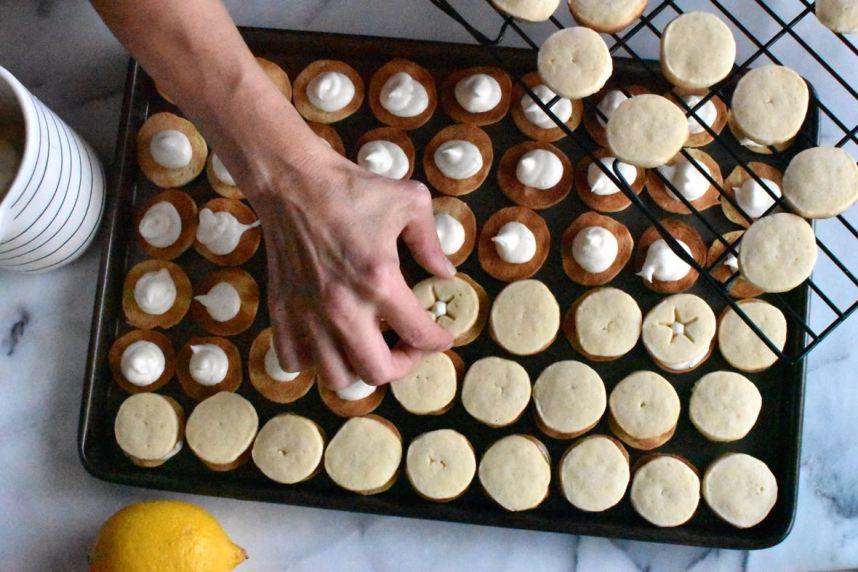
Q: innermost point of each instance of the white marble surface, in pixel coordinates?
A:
(50, 508)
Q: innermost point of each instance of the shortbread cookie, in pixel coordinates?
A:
(596, 188)
(440, 465)
(606, 16)
(530, 118)
(665, 490)
(457, 159)
(355, 400)
(594, 473)
(595, 248)
(458, 304)
(535, 174)
(769, 104)
(525, 317)
(569, 399)
(402, 94)
(155, 294)
(778, 252)
(430, 387)
(456, 227)
(661, 269)
(527, 10)
(603, 324)
(149, 429)
(479, 95)
(724, 406)
(574, 62)
(513, 244)
(713, 113)
(327, 91)
(729, 265)
(221, 179)
(840, 16)
(740, 488)
(277, 76)
(226, 302)
(601, 106)
(496, 391)
(329, 135)
(679, 333)
(697, 51)
(751, 199)
(206, 366)
(221, 429)
(738, 343)
(268, 376)
(516, 471)
(643, 410)
(364, 455)
(387, 152)
(170, 150)
(288, 448)
(167, 224)
(821, 182)
(647, 130)
(690, 177)
(228, 233)
(142, 361)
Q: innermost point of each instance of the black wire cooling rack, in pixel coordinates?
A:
(839, 281)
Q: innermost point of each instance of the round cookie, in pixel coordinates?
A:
(738, 177)
(839, 16)
(679, 333)
(665, 490)
(525, 317)
(603, 324)
(516, 471)
(243, 284)
(574, 62)
(682, 232)
(698, 136)
(821, 182)
(569, 399)
(601, 106)
(430, 387)
(769, 104)
(528, 196)
(724, 406)
(288, 448)
(643, 410)
(594, 473)
(647, 130)
(527, 10)
(287, 387)
(738, 343)
(606, 16)
(277, 76)
(700, 163)
(611, 202)
(450, 92)
(487, 248)
(778, 252)
(148, 428)
(697, 51)
(470, 134)
(392, 135)
(550, 131)
(417, 74)
(232, 377)
(226, 187)
(364, 455)
(185, 207)
(163, 176)
(312, 113)
(248, 242)
(729, 265)
(440, 465)
(496, 391)
(139, 318)
(329, 135)
(457, 304)
(741, 489)
(465, 216)
(363, 405)
(117, 353)
(594, 246)
(221, 429)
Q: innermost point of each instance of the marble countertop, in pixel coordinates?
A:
(51, 508)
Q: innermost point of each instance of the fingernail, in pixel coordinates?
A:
(451, 269)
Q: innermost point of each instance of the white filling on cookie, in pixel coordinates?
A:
(458, 159)
(663, 264)
(688, 178)
(753, 199)
(404, 96)
(220, 231)
(601, 184)
(478, 93)
(383, 158)
(155, 292)
(689, 363)
(142, 363)
(562, 108)
(356, 391)
(273, 368)
(221, 172)
(171, 149)
(222, 301)
(595, 249)
(161, 225)
(515, 243)
(208, 365)
(707, 112)
(539, 169)
(451, 233)
(608, 104)
(330, 91)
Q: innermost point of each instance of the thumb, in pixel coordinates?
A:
(420, 236)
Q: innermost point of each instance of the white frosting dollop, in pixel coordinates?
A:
(209, 364)
(458, 159)
(451, 233)
(273, 369)
(403, 96)
(515, 243)
(161, 224)
(539, 169)
(562, 109)
(478, 93)
(663, 264)
(687, 177)
(707, 112)
(438, 309)
(601, 184)
(754, 199)
(9, 161)
(221, 172)
(356, 391)
(222, 302)
(142, 363)
(330, 91)
(220, 231)
(155, 292)
(730, 261)
(383, 158)
(608, 104)
(595, 249)
(171, 149)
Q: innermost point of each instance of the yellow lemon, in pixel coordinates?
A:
(168, 536)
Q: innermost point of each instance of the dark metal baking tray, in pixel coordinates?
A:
(775, 439)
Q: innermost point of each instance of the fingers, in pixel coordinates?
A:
(331, 363)
(407, 317)
(289, 335)
(420, 236)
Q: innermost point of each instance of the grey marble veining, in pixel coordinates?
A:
(51, 508)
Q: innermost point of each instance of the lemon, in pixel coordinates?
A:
(163, 535)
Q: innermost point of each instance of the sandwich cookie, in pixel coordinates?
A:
(226, 302)
(221, 429)
(329, 135)
(646, 130)
(753, 199)
(661, 269)
(456, 227)
(167, 224)
(479, 95)
(355, 400)
(170, 150)
(606, 16)
(277, 75)
(430, 387)
(440, 465)
(387, 152)
(594, 473)
(514, 243)
(496, 391)
(665, 490)
(268, 376)
(288, 449)
(228, 232)
(525, 318)
(569, 399)
(457, 159)
(712, 113)
(738, 343)
(221, 179)
(689, 177)
(821, 182)
(206, 366)
(769, 104)
(527, 10)
(643, 410)
(327, 91)
(149, 429)
(724, 406)
(778, 252)
(364, 455)
(752, 145)
(515, 472)
(603, 324)
(535, 175)
(595, 248)
(679, 333)
(574, 62)
(729, 265)
(697, 51)
(458, 304)
(155, 294)
(532, 120)
(602, 106)
(596, 188)
(741, 489)
(402, 94)
(141, 361)
(839, 16)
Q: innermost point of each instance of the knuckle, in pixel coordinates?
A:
(379, 279)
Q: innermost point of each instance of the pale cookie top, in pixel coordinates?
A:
(221, 428)
(839, 15)
(147, 426)
(594, 474)
(440, 464)
(724, 406)
(647, 130)
(665, 491)
(680, 328)
(569, 396)
(288, 448)
(528, 10)
(608, 322)
(821, 182)
(697, 50)
(364, 455)
(495, 391)
(738, 343)
(515, 471)
(606, 15)
(429, 386)
(778, 252)
(769, 104)
(452, 302)
(644, 405)
(525, 317)
(740, 489)
(574, 62)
